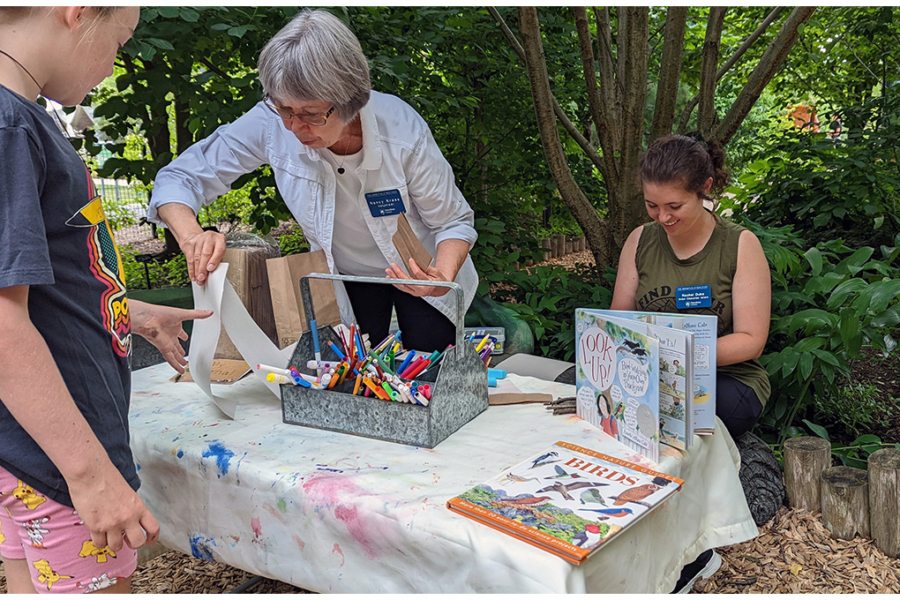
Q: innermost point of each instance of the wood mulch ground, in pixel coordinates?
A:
(794, 553)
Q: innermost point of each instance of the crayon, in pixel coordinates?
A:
(351, 353)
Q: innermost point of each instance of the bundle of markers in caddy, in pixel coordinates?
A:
(376, 371)
(484, 348)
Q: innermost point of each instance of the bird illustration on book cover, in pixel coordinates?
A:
(581, 498)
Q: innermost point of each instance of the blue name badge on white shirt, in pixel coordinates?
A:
(693, 296)
(386, 203)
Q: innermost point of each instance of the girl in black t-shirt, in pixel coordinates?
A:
(65, 321)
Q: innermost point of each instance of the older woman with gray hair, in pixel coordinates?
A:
(347, 161)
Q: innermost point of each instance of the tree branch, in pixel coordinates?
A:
(567, 124)
(205, 62)
(598, 114)
(706, 115)
(669, 71)
(583, 211)
(751, 39)
(768, 65)
(608, 83)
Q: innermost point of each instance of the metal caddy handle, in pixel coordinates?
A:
(454, 288)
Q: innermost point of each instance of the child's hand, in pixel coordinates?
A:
(161, 326)
(111, 510)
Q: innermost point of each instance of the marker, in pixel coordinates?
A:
(421, 399)
(337, 351)
(425, 389)
(482, 342)
(268, 369)
(319, 364)
(357, 384)
(418, 369)
(409, 356)
(279, 378)
(380, 362)
(387, 388)
(411, 366)
(315, 339)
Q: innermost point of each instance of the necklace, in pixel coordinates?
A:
(340, 168)
(21, 66)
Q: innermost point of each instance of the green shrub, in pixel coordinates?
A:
(827, 302)
(853, 407)
(828, 189)
(546, 299)
(169, 273)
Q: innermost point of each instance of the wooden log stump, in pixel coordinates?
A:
(804, 460)
(884, 500)
(845, 502)
(560, 245)
(545, 243)
(554, 246)
(569, 247)
(582, 244)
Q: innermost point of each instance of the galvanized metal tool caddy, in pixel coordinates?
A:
(459, 386)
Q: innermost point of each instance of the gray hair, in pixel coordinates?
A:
(316, 57)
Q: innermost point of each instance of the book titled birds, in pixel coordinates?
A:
(567, 500)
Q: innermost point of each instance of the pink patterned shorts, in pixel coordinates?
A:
(53, 540)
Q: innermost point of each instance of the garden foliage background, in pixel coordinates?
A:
(826, 207)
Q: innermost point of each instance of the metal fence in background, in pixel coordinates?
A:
(126, 209)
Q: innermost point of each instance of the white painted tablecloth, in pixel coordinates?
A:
(332, 512)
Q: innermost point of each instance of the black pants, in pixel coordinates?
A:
(422, 327)
(736, 404)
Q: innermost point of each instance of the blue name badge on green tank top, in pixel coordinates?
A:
(693, 296)
(386, 203)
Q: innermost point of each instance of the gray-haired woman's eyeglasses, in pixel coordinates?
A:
(287, 115)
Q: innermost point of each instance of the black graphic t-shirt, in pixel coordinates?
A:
(54, 237)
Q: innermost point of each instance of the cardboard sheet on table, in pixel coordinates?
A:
(225, 371)
(254, 345)
(409, 246)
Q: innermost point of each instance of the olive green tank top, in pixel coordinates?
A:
(660, 273)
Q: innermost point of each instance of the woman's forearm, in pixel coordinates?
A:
(180, 219)
(451, 254)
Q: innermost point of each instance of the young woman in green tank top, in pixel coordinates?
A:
(688, 245)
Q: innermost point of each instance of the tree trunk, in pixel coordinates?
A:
(709, 65)
(583, 211)
(669, 72)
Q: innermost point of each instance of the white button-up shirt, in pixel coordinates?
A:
(399, 153)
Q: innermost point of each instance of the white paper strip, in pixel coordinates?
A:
(255, 346)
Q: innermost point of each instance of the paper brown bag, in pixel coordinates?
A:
(409, 246)
(287, 303)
